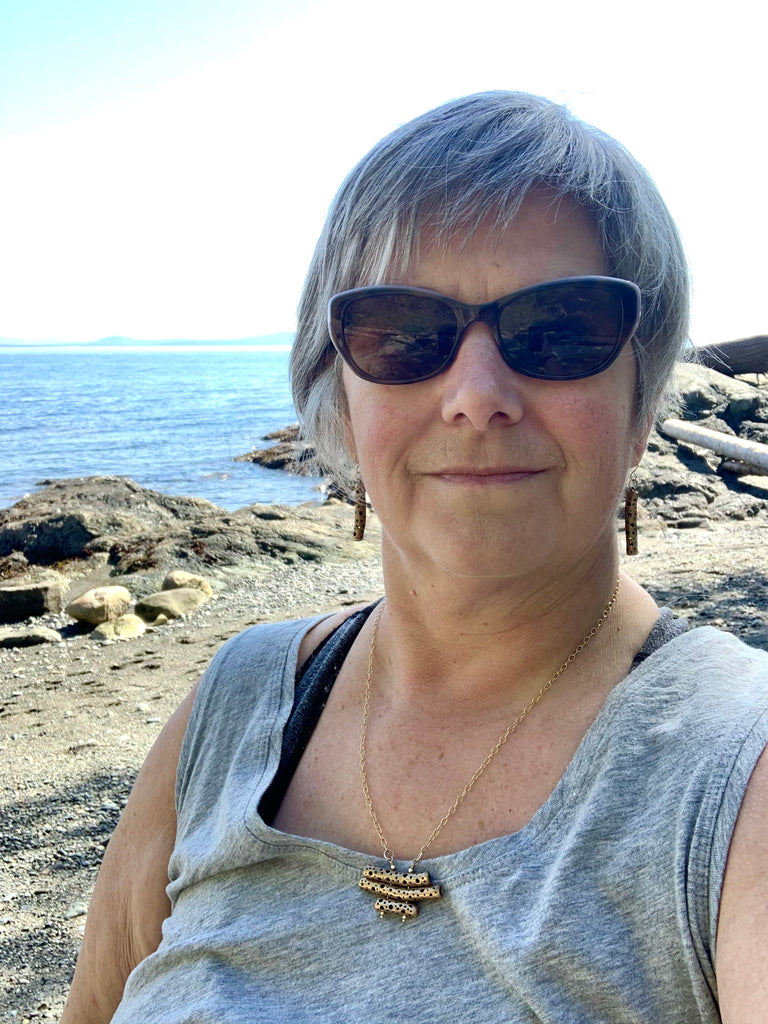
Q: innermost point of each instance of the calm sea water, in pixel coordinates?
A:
(172, 419)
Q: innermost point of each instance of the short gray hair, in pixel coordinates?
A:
(470, 161)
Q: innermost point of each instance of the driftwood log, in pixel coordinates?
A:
(752, 453)
(736, 468)
(749, 355)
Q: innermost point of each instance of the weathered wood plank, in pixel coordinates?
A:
(748, 355)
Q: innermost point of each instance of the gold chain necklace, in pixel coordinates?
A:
(399, 892)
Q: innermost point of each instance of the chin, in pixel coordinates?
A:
(491, 551)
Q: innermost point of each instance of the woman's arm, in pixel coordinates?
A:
(742, 933)
(129, 902)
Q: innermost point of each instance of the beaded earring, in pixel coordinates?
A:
(360, 509)
(630, 515)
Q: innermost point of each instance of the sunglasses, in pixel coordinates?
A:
(560, 330)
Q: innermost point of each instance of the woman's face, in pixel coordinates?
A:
(482, 471)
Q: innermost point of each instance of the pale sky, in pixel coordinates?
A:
(166, 165)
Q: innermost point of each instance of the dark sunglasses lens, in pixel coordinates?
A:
(562, 333)
(396, 338)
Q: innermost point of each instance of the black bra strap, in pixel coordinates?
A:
(314, 682)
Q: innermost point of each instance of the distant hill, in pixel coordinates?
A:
(118, 341)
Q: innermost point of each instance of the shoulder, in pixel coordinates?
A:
(253, 664)
(701, 700)
(692, 721)
(250, 663)
(704, 663)
(246, 694)
(706, 643)
(742, 932)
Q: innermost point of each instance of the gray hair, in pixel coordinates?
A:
(473, 161)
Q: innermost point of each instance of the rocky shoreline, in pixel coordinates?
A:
(78, 714)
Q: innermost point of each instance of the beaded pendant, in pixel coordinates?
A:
(399, 892)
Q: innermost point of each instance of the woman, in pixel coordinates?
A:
(551, 792)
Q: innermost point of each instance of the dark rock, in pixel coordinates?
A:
(145, 531)
(717, 423)
(679, 481)
(55, 538)
(755, 432)
(28, 637)
(13, 565)
(138, 530)
(704, 392)
(690, 522)
(290, 433)
(72, 519)
(27, 600)
(288, 454)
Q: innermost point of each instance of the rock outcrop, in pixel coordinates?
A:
(128, 529)
(683, 485)
(287, 453)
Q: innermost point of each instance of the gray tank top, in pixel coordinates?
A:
(602, 908)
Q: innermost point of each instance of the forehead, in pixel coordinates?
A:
(548, 239)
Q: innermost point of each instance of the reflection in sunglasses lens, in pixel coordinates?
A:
(561, 333)
(558, 333)
(399, 337)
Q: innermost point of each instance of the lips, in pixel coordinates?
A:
(486, 476)
(486, 470)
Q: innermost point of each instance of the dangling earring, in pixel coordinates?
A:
(630, 514)
(359, 531)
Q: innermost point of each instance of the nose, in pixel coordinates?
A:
(478, 386)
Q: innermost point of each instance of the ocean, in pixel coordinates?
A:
(170, 418)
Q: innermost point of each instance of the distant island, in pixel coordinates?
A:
(118, 341)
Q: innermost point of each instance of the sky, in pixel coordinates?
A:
(166, 165)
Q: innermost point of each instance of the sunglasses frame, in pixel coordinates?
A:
(488, 313)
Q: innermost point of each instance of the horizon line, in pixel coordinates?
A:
(114, 340)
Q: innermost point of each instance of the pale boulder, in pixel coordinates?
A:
(100, 605)
(179, 579)
(123, 628)
(170, 603)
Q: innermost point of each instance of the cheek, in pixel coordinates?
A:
(371, 423)
(610, 408)
(349, 438)
(598, 432)
(376, 438)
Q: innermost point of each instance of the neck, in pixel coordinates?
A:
(471, 638)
